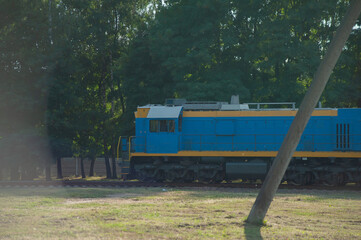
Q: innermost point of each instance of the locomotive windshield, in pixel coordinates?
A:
(161, 125)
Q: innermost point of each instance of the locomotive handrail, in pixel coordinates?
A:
(124, 163)
(118, 147)
(273, 103)
(130, 143)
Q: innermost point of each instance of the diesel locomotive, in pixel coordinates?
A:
(183, 141)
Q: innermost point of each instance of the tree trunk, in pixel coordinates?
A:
(107, 167)
(14, 172)
(27, 171)
(59, 169)
(279, 166)
(24, 172)
(47, 168)
(82, 167)
(91, 170)
(103, 99)
(106, 159)
(50, 19)
(122, 101)
(48, 172)
(114, 165)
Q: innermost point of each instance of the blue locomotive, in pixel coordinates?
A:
(215, 141)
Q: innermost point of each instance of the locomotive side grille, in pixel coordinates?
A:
(342, 136)
(336, 135)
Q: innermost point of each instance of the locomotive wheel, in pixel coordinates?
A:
(307, 178)
(170, 177)
(299, 180)
(160, 176)
(189, 177)
(173, 176)
(218, 178)
(334, 179)
(143, 177)
(205, 180)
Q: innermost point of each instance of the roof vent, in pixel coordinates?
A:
(235, 99)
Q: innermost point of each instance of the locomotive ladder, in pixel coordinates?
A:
(124, 148)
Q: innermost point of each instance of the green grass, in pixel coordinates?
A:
(156, 213)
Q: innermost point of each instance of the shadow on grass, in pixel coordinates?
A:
(304, 195)
(252, 231)
(78, 192)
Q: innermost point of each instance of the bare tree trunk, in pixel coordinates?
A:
(50, 30)
(107, 166)
(114, 167)
(27, 171)
(91, 170)
(14, 172)
(47, 168)
(47, 172)
(82, 167)
(59, 169)
(299, 123)
(114, 164)
(102, 92)
(122, 102)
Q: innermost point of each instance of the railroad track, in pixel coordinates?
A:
(127, 184)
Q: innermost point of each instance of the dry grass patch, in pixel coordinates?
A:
(156, 213)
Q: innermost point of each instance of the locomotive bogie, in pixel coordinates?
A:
(328, 171)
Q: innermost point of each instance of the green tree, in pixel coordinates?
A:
(261, 50)
(344, 85)
(24, 47)
(98, 32)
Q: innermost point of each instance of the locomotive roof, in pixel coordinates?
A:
(171, 111)
(156, 111)
(174, 107)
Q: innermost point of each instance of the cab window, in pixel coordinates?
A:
(153, 126)
(161, 125)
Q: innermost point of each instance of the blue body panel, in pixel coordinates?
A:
(323, 133)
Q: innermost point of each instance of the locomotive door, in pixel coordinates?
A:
(162, 137)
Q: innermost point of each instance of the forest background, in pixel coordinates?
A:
(72, 72)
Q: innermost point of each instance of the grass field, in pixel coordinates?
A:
(156, 213)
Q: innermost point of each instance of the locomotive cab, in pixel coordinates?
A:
(158, 129)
